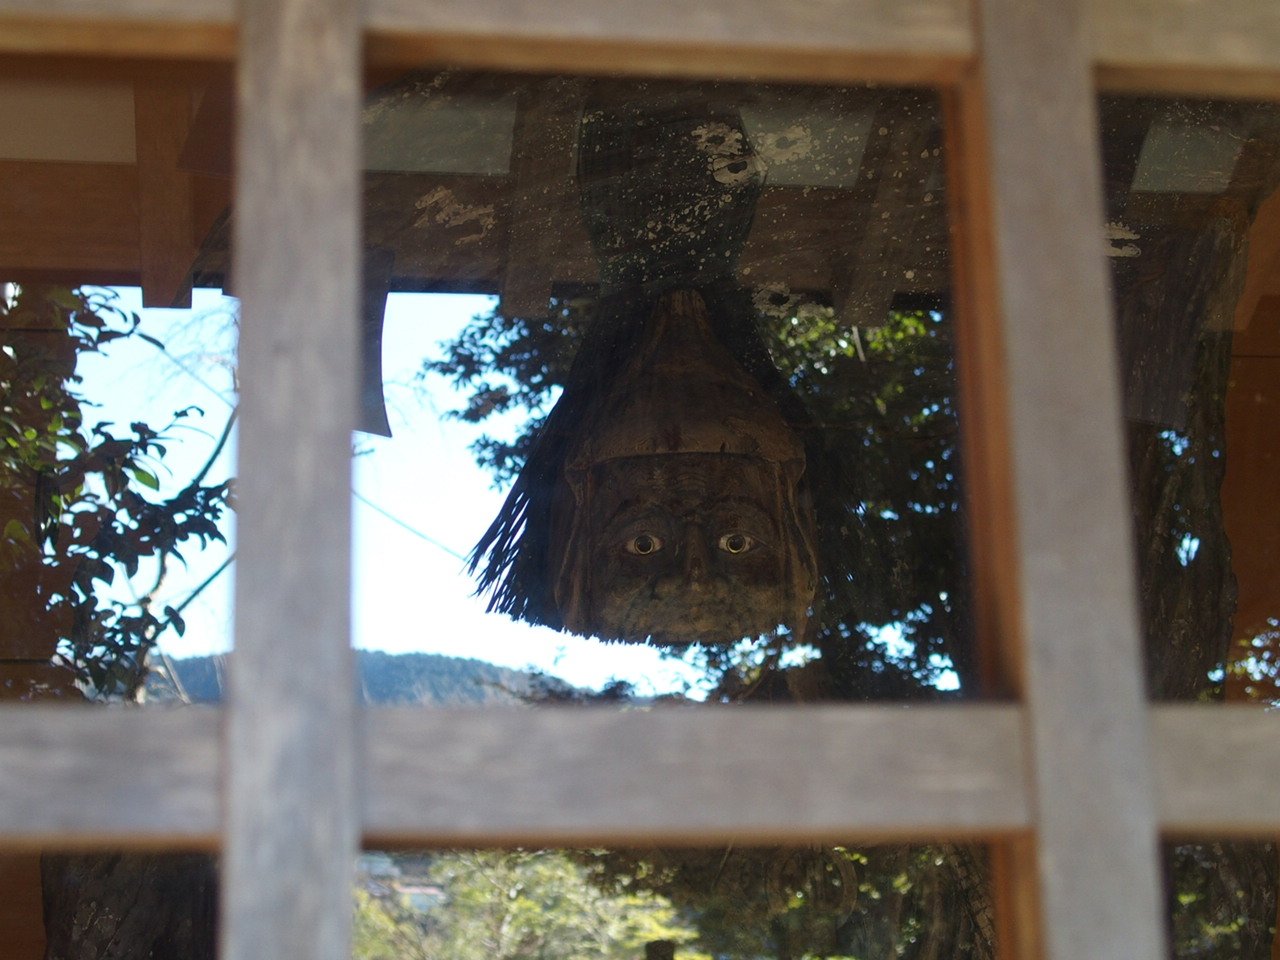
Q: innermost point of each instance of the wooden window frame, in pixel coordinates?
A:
(1071, 780)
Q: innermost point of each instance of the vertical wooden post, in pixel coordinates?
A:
(291, 810)
(1086, 884)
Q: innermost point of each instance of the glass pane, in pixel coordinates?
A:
(1193, 238)
(1193, 233)
(866, 902)
(666, 373)
(118, 371)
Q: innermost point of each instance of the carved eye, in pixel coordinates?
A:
(737, 542)
(644, 544)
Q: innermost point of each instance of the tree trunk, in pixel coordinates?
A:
(130, 906)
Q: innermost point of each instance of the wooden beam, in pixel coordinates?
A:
(1187, 46)
(291, 780)
(68, 216)
(78, 776)
(1218, 770)
(544, 225)
(919, 41)
(166, 233)
(1093, 863)
(868, 272)
(201, 29)
(693, 776)
(1264, 256)
(1184, 46)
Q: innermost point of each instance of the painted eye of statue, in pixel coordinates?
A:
(737, 542)
(644, 544)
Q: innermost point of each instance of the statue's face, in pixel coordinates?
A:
(684, 522)
(685, 547)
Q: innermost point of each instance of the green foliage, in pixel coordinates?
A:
(96, 511)
(512, 364)
(811, 902)
(512, 905)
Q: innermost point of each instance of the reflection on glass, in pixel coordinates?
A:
(1193, 237)
(116, 418)
(1222, 899)
(717, 376)
(114, 475)
(910, 902)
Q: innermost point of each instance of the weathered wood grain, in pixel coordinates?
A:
(1094, 861)
(86, 776)
(82, 776)
(700, 775)
(120, 28)
(1218, 769)
(1188, 46)
(292, 827)
(914, 41)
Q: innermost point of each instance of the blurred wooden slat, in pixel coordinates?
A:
(1218, 769)
(290, 774)
(170, 29)
(904, 41)
(700, 775)
(80, 776)
(1093, 862)
(1188, 46)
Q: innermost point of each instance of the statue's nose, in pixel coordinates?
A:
(697, 555)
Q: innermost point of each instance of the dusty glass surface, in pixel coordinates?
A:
(1193, 233)
(1192, 245)
(117, 378)
(712, 382)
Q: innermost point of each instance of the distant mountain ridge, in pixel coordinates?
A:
(385, 678)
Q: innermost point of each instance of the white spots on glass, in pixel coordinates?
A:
(440, 207)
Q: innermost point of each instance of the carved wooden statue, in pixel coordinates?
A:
(665, 498)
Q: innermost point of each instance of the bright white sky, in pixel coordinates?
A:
(411, 593)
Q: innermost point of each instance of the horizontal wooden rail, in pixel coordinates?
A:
(1186, 46)
(74, 776)
(695, 775)
(106, 777)
(1218, 769)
